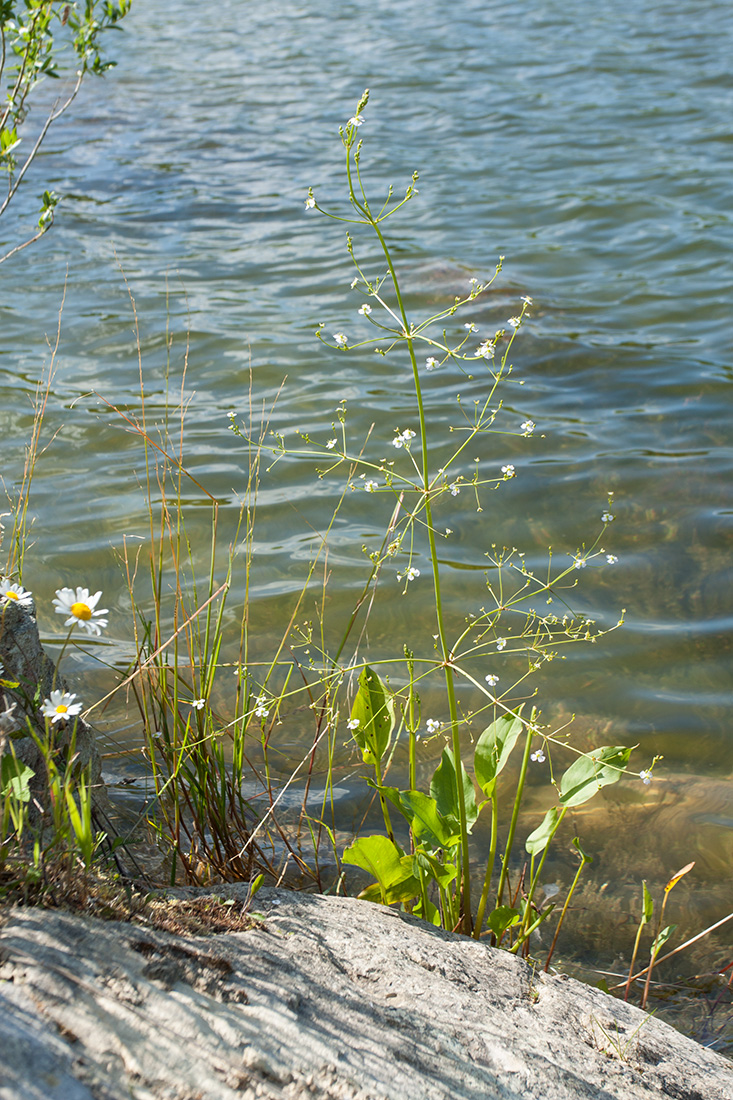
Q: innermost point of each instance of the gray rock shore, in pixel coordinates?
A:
(323, 997)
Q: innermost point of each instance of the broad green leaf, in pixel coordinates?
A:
(432, 915)
(538, 840)
(502, 918)
(15, 778)
(421, 812)
(591, 771)
(444, 790)
(441, 872)
(493, 749)
(662, 939)
(387, 864)
(427, 824)
(374, 710)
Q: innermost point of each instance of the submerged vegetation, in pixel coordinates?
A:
(227, 802)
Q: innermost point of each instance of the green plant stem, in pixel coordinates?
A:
(515, 816)
(583, 861)
(489, 867)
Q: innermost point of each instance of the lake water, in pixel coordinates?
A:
(591, 146)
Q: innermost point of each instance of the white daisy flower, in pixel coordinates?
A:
(198, 704)
(13, 592)
(365, 310)
(491, 679)
(508, 471)
(515, 322)
(341, 339)
(60, 706)
(331, 444)
(355, 120)
(431, 363)
(611, 559)
(352, 724)
(432, 725)
(528, 427)
(501, 644)
(81, 609)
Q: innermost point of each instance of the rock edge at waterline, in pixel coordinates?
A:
(323, 998)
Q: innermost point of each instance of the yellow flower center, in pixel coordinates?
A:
(11, 595)
(81, 611)
(61, 709)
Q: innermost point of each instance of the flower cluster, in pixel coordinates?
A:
(410, 574)
(403, 439)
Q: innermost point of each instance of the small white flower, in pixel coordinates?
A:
(352, 724)
(365, 310)
(310, 202)
(528, 427)
(410, 574)
(231, 414)
(354, 281)
(491, 679)
(80, 606)
(432, 725)
(607, 518)
(331, 444)
(473, 282)
(455, 489)
(611, 559)
(198, 704)
(579, 562)
(60, 706)
(646, 777)
(538, 757)
(487, 350)
(356, 120)
(261, 712)
(10, 592)
(508, 471)
(501, 644)
(407, 435)
(370, 486)
(431, 363)
(526, 298)
(515, 322)
(341, 339)
(469, 326)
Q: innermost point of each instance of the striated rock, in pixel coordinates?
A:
(327, 998)
(25, 662)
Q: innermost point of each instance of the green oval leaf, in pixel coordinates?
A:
(591, 771)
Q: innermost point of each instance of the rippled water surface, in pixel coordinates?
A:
(589, 145)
